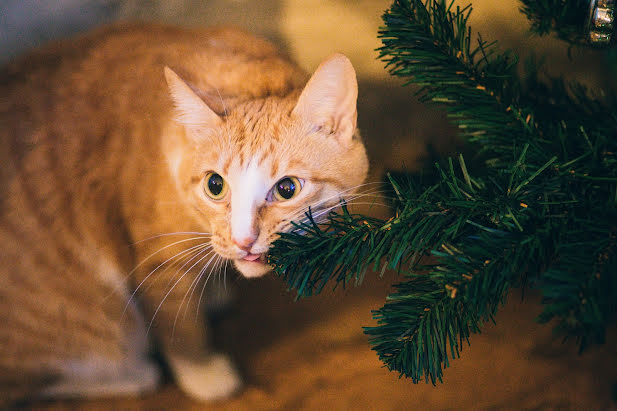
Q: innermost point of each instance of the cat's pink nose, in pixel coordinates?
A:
(245, 243)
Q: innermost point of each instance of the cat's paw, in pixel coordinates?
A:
(209, 379)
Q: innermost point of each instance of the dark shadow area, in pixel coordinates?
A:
(397, 128)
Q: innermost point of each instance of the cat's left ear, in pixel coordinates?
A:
(192, 111)
(328, 101)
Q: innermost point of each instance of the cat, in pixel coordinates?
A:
(137, 162)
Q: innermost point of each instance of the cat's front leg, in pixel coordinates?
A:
(177, 320)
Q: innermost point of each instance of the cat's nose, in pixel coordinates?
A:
(244, 243)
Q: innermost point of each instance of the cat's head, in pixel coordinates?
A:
(247, 174)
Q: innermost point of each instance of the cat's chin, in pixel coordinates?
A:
(252, 269)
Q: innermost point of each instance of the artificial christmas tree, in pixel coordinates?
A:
(536, 207)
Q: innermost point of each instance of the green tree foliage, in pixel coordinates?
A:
(538, 208)
(566, 18)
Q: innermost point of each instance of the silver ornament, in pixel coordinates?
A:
(601, 22)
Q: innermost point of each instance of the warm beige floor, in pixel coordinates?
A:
(312, 355)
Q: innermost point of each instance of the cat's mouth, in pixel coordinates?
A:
(255, 258)
(253, 265)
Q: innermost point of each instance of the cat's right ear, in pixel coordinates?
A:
(191, 110)
(328, 101)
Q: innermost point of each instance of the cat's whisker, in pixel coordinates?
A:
(172, 278)
(192, 286)
(225, 274)
(203, 288)
(325, 211)
(189, 250)
(183, 254)
(315, 217)
(130, 273)
(351, 201)
(191, 253)
(158, 308)
(304, 208)
(170, 234)
(163, 249)
(217, 269)
(210, 274)
(186, 263)
(340, 194)
(371, 188)
(219, 277)
(201, 273)
(187, 258)
(370, 183)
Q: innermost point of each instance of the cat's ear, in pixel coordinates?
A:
(328, 101)
(191, 110)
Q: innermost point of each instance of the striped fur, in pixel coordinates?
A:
(95, 161)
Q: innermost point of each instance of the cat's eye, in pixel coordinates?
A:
(287, 188)
(215, 186)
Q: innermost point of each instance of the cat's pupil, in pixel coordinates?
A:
(215, 184)
(286, 188)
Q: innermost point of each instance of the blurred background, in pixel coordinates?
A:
(312, 354)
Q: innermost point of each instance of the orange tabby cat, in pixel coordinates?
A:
(136, 162)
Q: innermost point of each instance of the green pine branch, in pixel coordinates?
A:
(473, 82)
(583, 301)
(540, 211)
(566, 18)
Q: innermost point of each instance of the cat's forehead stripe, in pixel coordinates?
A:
(274, 168)
(261, 119)
(226, 165)
(256, 112)
(297, 164)
(325, 180)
